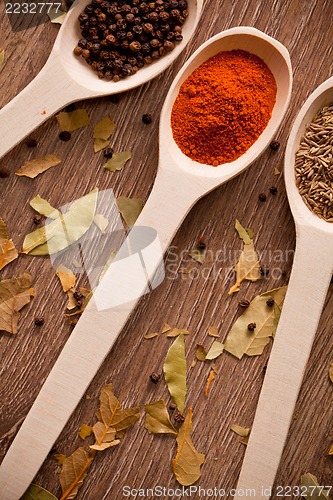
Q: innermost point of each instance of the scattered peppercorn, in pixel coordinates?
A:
(274, 145)
(251, 327)
(264, 368)
(114, 32)
(71, 107)
(155, 377)
(4, 172)
(172, 406)
(37, 219)
(264, 271)
(273, 190)
(201, 243)
(31, 143)
(262, 197)
(244, 303)
(108, 152)
(179, 417)
(39, 321)
(65, 136)
(147, 118)
(114, 98)
(270, 302)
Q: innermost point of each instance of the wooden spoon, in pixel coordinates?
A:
(307, 289)
(66, 78)
(180, 182)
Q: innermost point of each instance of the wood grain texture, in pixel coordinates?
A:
(188, 301)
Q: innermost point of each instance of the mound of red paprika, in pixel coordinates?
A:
(223, 107)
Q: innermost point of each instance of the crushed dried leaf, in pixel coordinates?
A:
(215, 350)
(241, 340)
(276, 171)
(2, 57)
(35, 492)
(174, 369)
(43, 207)
(72, 120)
(247, 267)
(104, 128)
(117, 161)
(8, 252)
(313, 490)
(198, 255)
(165, 328)
(150, 335)
(15, 293)
(213, 331)
(187, 462)
(130, 209)
(32, 168)
(100, 144)
(211, 377)
(243, 432)
(65, 229)
(73, 472)
(85, 431)
(101, 222)
(67, 277)
(330, 373)
(56, 16)
(200, 352)
(243, 233)
(330, 451)
(60, 458)
(177, 331)
(157, 419)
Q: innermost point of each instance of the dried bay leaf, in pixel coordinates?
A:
(200, 352)
(243, 233)
(104, 436)
(240, 340)
(150, 335)
(85, 431)
(276, 171)
(60, 458)
(177, 331)
(15, 293)
(130, 209)
(157, 419)
(8, 252)
(67, 277)
(213, 331)
(165, 328)
(247, 267)
(65, 230)
(56, 16)
(73, 472)
(101, 222)
(35, 492)
(72, 120)
(43, 207)
(100, 144)
(174, 369)
(2, 57)
(117, 161)
(198, 255)
(313, 490)
(215, 350)
(330, 452)
(241, 431)
(331, 372)
(32, 168)
(187, 462)
(104, 128)
(111, 414)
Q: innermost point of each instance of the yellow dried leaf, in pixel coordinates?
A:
(157, 419)
(43, 207)
(331, 372)
(241, 431)
(177, 331)
(111, 414)
(200, 352)
(187, 462)
(330, 452)
(32, 168)
(247, 268)
(73, 472)
(73, 120)
(240, 340)
(67, 277)
(35, 492)
(117, 161)
(60, 458)
(8, 252)
(104, 446)
(198, 255)
(130, 209)
(311, 489)
(150, 335)
(104, 128)
(211, 377)
(276, 171)
(2, 57)
(71, 304)
(165, 328)
(101, 222)
(174, 369)
(85, 431)
(100, 144)
(15, 293)
(213, 331)
(215, 350)
(104, 436)
(56, 16)
(243, 233)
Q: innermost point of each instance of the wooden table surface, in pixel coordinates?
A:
(142, 460)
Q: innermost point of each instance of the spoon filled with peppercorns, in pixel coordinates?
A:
(239, 80)
(103, 48)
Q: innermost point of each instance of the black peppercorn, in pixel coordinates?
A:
(274, 145)
(39, 321)
(273, 190)
(244, 303)
(4, 172)
(155, 377)
(31, 143)
(147, 118)
(179, 417)
(172, 406)
(270, 302)
(264, 271)
(65, 136)
(37, 219)
(168, 46)
(108, 152)
(262, 197)
(251, 327)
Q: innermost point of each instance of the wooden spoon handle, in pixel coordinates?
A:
(307, 289)
(51, 90)
(87, 347)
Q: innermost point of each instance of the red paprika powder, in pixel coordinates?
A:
(223, 107)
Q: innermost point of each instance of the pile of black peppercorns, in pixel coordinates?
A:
(120, 37)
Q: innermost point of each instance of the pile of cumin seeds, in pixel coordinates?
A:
(314, 164)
